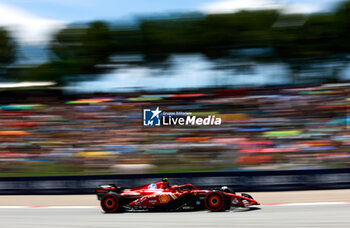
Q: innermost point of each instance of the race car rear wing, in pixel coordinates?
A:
(105, 188)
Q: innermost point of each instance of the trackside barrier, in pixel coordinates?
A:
(250, 181)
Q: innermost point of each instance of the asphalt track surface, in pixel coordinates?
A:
(323, 215)
(262, 197)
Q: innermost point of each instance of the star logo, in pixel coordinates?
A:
(151, 117)
(156, 113)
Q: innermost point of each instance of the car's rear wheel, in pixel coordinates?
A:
(111, 203)
(215, 201)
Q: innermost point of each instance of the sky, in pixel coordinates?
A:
(32, 21)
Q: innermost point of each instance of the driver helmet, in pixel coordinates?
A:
(165, 183)
(226, 189)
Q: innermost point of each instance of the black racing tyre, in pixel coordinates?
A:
(112, 203)
(227, 203)
(216, 201)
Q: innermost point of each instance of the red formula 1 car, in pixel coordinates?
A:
(160, 196)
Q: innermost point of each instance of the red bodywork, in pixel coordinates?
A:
(156, 195)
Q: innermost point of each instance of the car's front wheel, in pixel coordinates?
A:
(215, 201)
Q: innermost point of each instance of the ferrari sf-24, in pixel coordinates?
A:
(160, 196)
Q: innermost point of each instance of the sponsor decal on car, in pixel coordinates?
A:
(152, 201)
(140, 200)
(164, 198)
(173, 196)
(235, 201)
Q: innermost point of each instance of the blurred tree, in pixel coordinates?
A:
(162, 37)
(225, 33)
(67, 43)
(308, 44)
(86, 45)
(77, 52)
(342, 17)
(7, 49)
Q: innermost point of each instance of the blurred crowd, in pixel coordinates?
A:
(267, 128)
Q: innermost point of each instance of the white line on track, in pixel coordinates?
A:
(90, 207)
(308, 204)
